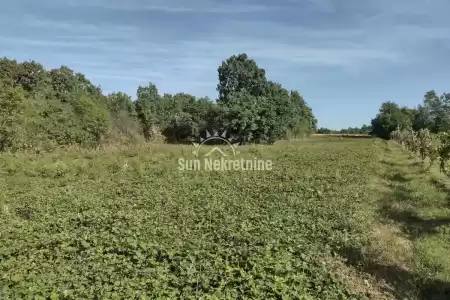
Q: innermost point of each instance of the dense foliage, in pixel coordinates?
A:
(365, 129)
(433, 114)
(426, 145)
(423, 130)
(42, 109)
(47, 108)
(127, 224)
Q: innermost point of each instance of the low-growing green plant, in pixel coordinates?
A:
(127, 224)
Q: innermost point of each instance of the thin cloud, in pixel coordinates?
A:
(136, 40)
(350, 55)
(174, 6)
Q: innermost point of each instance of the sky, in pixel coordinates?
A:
(345, 57)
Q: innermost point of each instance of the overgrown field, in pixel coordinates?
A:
(127, 224)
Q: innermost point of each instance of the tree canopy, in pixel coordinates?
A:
(48, 108)
(433, 114)
(259, 110)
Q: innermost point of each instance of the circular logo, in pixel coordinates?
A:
(230, 143)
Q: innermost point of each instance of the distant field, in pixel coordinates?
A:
(351, 219)
(342, 135)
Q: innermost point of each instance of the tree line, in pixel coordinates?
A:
(43, 109)
(423, 130)
(364, 129)
(432, 114)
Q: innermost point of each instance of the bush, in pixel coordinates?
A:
(11, 118)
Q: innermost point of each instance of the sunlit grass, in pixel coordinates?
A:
(127, 223)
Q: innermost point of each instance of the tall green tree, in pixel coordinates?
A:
(11, 118)
(272, 112)
(147, 107)
(437, 110)
(31, 76)
(390, 118)
(240, 73)
(8, 70)
(64, 83)
(121, 102)
(182, 117)
(93, 117)
(242, 116)
(305, 122)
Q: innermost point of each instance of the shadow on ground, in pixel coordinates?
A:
(400, 164)
(397, 177)
(442, 187)
(410, 222)
(398, 206)
(402, 283)
(399, 203)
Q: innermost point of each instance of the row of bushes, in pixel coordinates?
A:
(434, 147)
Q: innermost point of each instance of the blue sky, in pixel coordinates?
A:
(345, 57)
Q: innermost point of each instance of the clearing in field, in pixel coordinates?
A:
(334, 218)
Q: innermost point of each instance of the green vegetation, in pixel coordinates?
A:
(365, 129)
(94, 206)
(433, 114)
(126, 223)
(430, 147)
(410, 243)
(43, 110)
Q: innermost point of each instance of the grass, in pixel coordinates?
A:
(336, 218)
(413, 208)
